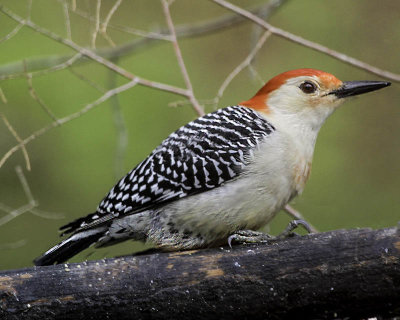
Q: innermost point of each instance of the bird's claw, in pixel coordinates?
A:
(250, 236)
(293, 225)
(230, 238)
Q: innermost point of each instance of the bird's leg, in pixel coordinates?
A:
(250, 236)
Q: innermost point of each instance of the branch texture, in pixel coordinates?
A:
(321, 276)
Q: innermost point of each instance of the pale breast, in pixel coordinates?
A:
(301, 173)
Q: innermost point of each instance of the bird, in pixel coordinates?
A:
(222, 176)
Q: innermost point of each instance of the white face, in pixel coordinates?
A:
(304, 92)
(305, 99)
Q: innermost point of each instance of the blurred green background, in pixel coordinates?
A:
(356, 170)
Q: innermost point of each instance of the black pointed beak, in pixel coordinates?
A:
(353, 88)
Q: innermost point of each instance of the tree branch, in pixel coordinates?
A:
(19, 140)
(31, 203)
(245, 63)
(94, 56)
(68, 118)
(97, 24)
(14, 70)
(196, 106)
(103, 28)
(320, 276)
(309, 44)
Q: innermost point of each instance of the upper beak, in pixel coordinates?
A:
(353, 88)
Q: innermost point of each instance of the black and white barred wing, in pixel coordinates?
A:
(199, 156)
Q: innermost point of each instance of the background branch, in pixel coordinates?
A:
(245, 63)
(309, 44)
(31, 203)
(15, 70)
(196, 106)
(93, 56)
(68, 118)
(19, 140)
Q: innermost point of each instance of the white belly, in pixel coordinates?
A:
(249, 202)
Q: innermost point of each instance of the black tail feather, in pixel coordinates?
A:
(69, 247)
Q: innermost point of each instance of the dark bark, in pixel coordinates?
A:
(338, 274)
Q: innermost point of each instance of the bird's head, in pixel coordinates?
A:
(306, 95)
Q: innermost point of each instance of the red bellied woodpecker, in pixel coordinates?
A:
(223, 175)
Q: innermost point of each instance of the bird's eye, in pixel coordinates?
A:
(308, 87)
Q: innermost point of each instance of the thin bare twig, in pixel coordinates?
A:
(47, 215)
(129, 30)
(264, 13)
(5, 208)
(95, 57)
(36, 97)
(27, 207)
(12, 33)
(36, 212)
(67, 19)
(15, 213)
(66, 119)
(25, 185)
(19, 140)
(100, 100)
(103, 29)
(97, 24)
(298, 216)
(18, 27)
(183, 31)
(87, 80)
(178, 53)
(257, 31)
(120, 128)
(310, 44)
(54, 68)
(191, 29)
(109, 15)
(256, 75)
(3, 96)
(29, 13)
(245, 63)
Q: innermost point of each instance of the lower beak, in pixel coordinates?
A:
(353, 88)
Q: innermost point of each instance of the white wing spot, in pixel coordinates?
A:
(127, 209)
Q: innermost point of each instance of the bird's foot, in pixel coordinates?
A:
(288, 232)
(250, 236)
